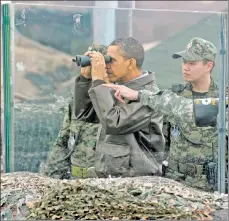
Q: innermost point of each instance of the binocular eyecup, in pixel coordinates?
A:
(84, 61)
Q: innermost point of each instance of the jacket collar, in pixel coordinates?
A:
(139, 82)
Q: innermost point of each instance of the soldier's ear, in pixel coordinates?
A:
(210, 65)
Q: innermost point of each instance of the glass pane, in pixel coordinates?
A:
(47, 38)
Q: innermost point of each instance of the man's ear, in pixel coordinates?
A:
(210, 65)
(132, 63)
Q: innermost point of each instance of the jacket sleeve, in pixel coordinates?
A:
(122, 118)
(82, 104)
(173, 107)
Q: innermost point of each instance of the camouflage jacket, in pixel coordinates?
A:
(64, 154)
(188, 143)
(192, 144)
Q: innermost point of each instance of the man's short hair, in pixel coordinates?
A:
(131, 48)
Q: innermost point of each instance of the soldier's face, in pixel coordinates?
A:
(117, 69)
(194, 71)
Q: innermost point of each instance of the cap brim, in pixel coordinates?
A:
(180, 54)
(187, 56)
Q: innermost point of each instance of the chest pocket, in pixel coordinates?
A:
(193, 134)
(113, 159)
(86, 132)
(196, 135)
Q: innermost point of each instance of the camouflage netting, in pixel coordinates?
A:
(31, 196)
(36, 127)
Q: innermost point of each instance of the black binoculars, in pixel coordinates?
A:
(83, 61)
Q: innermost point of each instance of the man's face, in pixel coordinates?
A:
(195, 70)
(117, 70)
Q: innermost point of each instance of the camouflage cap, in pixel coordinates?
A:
(97, 47)
(198, 49)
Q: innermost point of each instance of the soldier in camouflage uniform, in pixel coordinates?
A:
(72, 154)
(192, 148)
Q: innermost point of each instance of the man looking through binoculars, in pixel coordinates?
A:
(130, 140)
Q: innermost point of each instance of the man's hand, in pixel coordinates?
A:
(86, 71)
(123, 91)
(98, 70)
